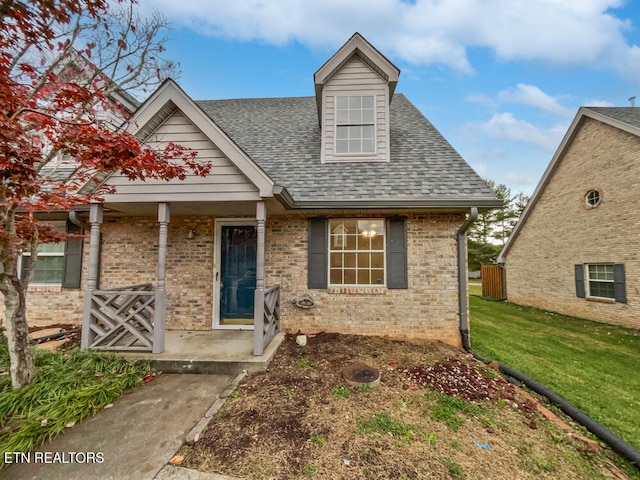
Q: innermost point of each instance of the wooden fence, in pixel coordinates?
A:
(493, 282)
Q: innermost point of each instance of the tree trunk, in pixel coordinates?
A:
(22, 361)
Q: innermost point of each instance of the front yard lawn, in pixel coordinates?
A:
(592, 365)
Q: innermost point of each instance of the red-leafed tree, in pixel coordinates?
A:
(65, 69)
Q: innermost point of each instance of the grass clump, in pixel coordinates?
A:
(384, 423)
(448, 410)
(340, 392)
(318, 439)
(454, 469)
(304, 363)
(66, 388)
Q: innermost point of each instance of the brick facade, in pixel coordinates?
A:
(561, 230)
(428, 309)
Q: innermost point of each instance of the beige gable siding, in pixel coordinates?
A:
(224, 182)
(561, 231)
(356, 78)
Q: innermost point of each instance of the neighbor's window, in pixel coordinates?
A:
(601, 280)
(355, 124)
(593, 198)
(356, 252)
(50, 264)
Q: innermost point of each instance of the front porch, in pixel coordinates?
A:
(217, 351)
(133, 318)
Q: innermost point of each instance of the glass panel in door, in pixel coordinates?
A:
(237, 274)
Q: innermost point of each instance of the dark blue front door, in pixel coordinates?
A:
(237, 274)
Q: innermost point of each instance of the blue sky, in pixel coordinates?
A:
(501, 79)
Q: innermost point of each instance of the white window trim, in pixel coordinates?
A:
(383, 251)
(588, 281)
(374, 124)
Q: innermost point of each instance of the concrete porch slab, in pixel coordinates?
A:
(224, 352)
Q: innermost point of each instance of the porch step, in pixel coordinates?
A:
(226, 352)
(216, 367)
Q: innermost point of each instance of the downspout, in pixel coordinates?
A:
(73, 218)
(462, 278)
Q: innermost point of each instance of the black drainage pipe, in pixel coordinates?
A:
(603, 433)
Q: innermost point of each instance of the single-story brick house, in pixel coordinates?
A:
(344, 211)
(574, 250)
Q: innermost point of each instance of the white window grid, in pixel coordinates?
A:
(355, 124)
(600, 280)
(357, 255)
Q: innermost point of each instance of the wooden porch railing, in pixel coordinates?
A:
(122, 318)
(270, 326)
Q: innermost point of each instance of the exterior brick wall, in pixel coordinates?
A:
(51, 304)
(428, 309)
(562, 231)
(130, 257)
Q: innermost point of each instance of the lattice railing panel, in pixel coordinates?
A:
(271, 325)
(122, 319)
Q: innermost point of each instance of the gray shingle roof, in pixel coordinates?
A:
(629, 115)
(283, 137)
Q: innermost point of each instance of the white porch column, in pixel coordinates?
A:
(95, 219)
(161, 289)
(258, 306)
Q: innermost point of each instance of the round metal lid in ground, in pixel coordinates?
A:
(360, 374)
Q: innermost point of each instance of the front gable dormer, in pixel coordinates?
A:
(353, 92)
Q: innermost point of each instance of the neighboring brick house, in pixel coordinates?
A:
(575, 249)
(349, 200)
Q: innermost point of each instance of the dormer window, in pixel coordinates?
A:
(355, 124)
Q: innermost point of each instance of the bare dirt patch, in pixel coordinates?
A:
(436, 414)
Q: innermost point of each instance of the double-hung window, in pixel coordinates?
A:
(601, 281)
(49, 268)
(355, 124)
(600, 278)
(356, 252)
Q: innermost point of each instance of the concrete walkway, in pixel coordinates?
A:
(135, 439)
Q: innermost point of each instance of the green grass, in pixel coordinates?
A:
(592, 365)
(475, 288)
(384, 423)
(340, 392)
(449, 409)
(66, 388)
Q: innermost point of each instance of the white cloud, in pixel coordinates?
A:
(482, 99)
(506, 126)
(599, 103)
(481, 169)
(532, 96)
(521, 179)
(567, 33)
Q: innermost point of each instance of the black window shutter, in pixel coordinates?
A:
(619, 287)
(72, 258)
(397, 253)
(317, 254)
(579, 275)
